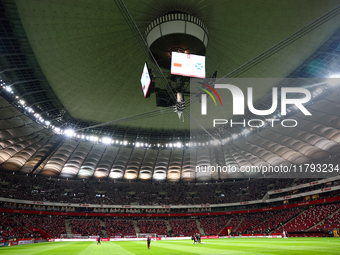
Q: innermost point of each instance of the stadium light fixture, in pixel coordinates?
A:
(94, 138)
(106, 140)
(69, 132)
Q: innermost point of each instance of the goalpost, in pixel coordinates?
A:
(145, 235)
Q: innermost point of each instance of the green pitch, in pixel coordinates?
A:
(213, 246)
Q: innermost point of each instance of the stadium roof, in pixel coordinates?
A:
(76, 64)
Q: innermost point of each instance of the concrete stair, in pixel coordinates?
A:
(135, 224)
(68, 227)
(103, 227)
(199, 226)
(167, 224)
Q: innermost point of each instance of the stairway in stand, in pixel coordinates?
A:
(103, 227)
(199, 226)
(135, 224)
(68, 227)
(167, 224)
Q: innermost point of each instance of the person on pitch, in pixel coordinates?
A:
(98, 241)
(149, 241)
(194, 238)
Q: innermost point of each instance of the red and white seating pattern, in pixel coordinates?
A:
(184, 227)
(213, 225)
(152, 226)
(120, 227)
(330, 223)
(250, 221)
(86, 227)
(54, 226)
(310, 217)
(235, 221)
(25, 221)
(11, 228)
(275, 218)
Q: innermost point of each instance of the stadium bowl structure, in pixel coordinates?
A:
(76, 131)
(65, 76)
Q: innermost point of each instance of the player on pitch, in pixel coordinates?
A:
(149, 241)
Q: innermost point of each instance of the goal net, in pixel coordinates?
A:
(145, 235)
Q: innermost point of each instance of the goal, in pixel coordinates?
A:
(145, 235)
